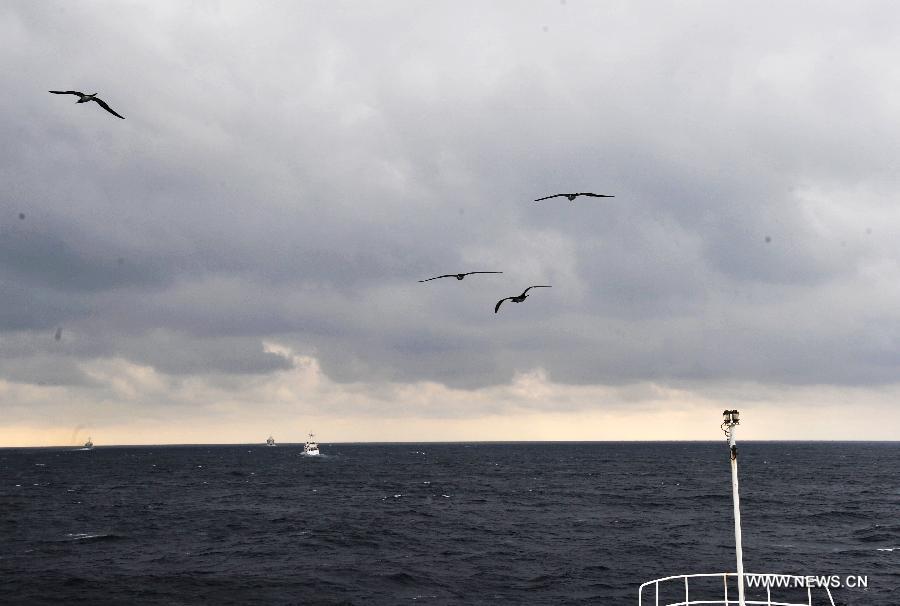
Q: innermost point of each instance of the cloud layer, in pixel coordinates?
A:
(287, 172)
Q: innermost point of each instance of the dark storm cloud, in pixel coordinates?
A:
(45, 370)
(53, 260)
(287, 174)
(179, 356)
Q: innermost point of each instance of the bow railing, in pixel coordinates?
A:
(676, 590)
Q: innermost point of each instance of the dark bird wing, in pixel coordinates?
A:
(67, 92)
(103, 104)
(587, 193)
(530, 287)
(436, 277)
(499, 303)
(548, 197)
(484, 272)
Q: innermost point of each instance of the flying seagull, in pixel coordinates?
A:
(461, 276)
(518, 299)
(572, 197)
(85, 98)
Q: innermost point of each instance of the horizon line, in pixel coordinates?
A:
(263, 444)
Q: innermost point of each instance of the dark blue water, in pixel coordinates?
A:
(563, 523)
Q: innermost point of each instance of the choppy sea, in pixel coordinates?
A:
(481, 523)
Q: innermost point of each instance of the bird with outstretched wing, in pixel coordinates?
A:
(461, 276)
(519, 298)
(572, 197)
(84, 98)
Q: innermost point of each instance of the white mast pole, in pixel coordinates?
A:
(732, 419)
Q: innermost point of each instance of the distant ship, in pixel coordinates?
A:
(312, 448)
(88, 445)
(271, 441)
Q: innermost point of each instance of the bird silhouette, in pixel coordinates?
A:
(518, 299)
(461, 276)
(572, 197)
(85, 98)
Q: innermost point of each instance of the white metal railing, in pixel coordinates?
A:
(724, 599)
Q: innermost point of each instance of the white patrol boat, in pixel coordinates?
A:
(311, 448)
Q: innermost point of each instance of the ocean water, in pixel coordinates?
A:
(522, 523)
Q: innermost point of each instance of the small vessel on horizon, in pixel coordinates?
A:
(271, 442)
(311, 448)
(88, 445)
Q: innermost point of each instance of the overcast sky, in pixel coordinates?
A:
(240, 256)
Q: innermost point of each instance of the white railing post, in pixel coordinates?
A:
(738, 548)
(725, 578)
(687, 597)
(732, 420)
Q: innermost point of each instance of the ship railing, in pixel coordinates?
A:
(711, 593)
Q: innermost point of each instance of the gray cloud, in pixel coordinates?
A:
(288, 173)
